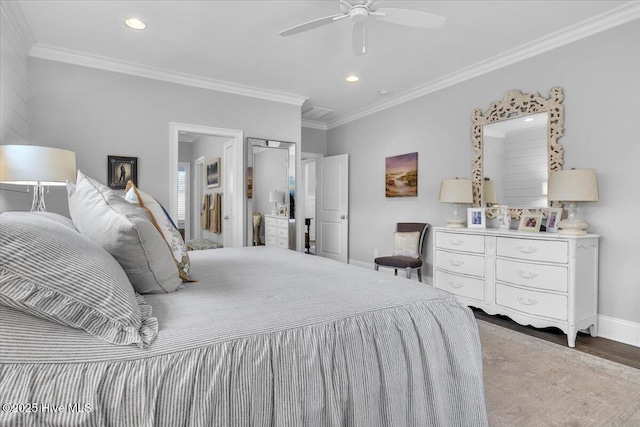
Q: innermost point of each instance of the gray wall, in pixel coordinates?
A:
(600, 78)
(314, 141)
(99, 113)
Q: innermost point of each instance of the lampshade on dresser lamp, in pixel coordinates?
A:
(456, 191)
(575, 185)
(276, 197)
(37, 166)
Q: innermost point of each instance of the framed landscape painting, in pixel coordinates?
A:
(401, 175)
(213, 172)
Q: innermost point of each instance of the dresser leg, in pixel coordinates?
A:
(593, 330)
(571, 337)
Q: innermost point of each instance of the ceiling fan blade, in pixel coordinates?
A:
(359, 38)
(311, 24)
(412, 18)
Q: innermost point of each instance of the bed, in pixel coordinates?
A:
(265, 336)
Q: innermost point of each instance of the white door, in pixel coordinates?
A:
(309, 188)
(332, 207)
(229, 214)
(184, 190)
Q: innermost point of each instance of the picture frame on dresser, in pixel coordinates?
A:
(553, 218)
(530, 222)
(476, 218)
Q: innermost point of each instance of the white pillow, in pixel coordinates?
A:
(126, 233)
(163, 223)
(406, 244)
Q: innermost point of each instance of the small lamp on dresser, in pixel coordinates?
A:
(276, 197)
(456, 191)
(37, 166)
(575, 185)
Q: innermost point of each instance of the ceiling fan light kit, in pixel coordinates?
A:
(358, 11)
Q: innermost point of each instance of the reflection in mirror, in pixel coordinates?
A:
(514, 154)
(515, 161)
(271, 183)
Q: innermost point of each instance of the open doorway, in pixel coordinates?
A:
(221, 150)
(308, 198)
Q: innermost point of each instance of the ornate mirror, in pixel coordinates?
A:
(516, 144)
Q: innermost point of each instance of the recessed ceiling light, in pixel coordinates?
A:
(529, 119)
(352, 78)
(135, 23)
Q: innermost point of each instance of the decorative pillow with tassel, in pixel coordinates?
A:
(163, 223)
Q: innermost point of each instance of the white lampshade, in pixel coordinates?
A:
(34, 165)
(276, 196)
(490, 196)
(574, 185)
(456, 191)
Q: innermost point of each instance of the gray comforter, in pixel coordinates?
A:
(265, 337)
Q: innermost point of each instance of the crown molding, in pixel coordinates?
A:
(124, 67)
(313, 124)
(621, 15)
(16, 18)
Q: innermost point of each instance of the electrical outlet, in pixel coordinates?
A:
(375, 253)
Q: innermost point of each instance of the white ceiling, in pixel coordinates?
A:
(238, 42)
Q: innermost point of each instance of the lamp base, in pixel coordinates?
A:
(38, 199)
(575, 227)
(455, 223)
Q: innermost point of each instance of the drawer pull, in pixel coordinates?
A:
(456, 242)
(527, 301)
(527, 250)
(455, 262)
(529, 275)
(455, 285)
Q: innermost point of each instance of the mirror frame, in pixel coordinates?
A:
(253, 142)
(516, 104)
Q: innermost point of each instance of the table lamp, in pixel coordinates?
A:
(456, 191)
(575, 185)
(276, 197)
(37, 166)
(490, 195)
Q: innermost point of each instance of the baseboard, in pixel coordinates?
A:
(619, 330)
(369, 266)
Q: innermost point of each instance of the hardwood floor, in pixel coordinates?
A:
(601, 347)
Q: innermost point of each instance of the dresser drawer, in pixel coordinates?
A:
(533, 250)
(283, 223)
(460, 242)
(551, 277)
(532, 302)
(283, 243)
(271, 240)
(269, 220)
(283, 233)
(460, 263)
(460, 285)
(270, 230)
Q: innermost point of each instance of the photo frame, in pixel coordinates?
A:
(120, 170)
(476, 218)
(282, 210)
(530, 222)
(554, 215)
(212, 170)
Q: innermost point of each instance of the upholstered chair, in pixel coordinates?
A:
(408, 244)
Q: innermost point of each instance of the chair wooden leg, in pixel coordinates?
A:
(420, 275)
(395, 271)
(377, 267)
(408, 272)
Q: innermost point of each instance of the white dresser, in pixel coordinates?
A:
(277, 231)
(536, 279)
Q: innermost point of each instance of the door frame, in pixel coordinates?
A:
(305, 157)
(238, 136)
(187, 202)
(198, 194)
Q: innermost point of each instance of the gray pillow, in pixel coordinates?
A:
(57, 218)
(126, 233)
(51, 271)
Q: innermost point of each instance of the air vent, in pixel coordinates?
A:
(316, 113)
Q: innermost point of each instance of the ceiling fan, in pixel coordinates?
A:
(359, 10)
